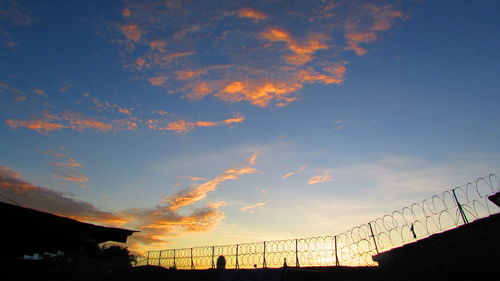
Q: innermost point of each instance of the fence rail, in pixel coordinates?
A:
(354, 247)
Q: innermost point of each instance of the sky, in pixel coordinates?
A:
(218, 122)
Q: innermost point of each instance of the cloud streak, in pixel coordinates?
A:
(382, 18)
(49, 122)
(251, 13)
(302, 51)
(325, 176)
(300, 170)
(13, 186)
(200, 191)
(183, 126)
(67, 167)
(39, 125)
(251, 208)
(259, 92)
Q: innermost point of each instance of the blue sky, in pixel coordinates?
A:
(226, 122)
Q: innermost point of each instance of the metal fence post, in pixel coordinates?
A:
(373, 236)
(297, 264)
(192, 263)
(460, 209)
(264, 265)
(213, 253)
(336, 255)
(237, 264)
(159, 259)
(174, 266)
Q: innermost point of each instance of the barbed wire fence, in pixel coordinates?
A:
(354, 247)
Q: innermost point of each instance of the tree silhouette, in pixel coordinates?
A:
(115, 253)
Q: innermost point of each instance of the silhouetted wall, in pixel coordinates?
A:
(463, 253)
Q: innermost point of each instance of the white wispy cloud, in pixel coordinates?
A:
(325, 176)
(251, 208)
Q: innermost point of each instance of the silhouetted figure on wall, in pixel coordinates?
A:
(221, 263)
(221, 268)
(412, 229)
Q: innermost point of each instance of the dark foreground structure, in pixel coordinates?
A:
(27, 231)
(468, 252)
(42, 246)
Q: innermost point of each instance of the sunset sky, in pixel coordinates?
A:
(217, 122)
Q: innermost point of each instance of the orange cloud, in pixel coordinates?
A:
(9, 89)
(251, 14)
(193, 178)
(158, 45)
(161, 112)
(191, 223)
(126, 12)
(164, 222)
(325, 177)
(355, 38)
(131, 31)
(172, 56)
(183, 126)
(250, 209)
(252, 159)
(37, 125)
(106, 105)
(113, 221)
(56, 153)
(311, 76)
(259, 93)
(199, 192)
(39, 91)
(157, 80)
(199, 91)
(78, 122)
(382, 18)
(217, 205)
(75, 121)
(13, 186)
(238, 119)
(303, 51)
(141, 63)
(70, 164)
(319, 179)
(336, 70)
(71, 176)
(188, 74)
(124, 110)
(67, 167)
(183, 32)
(300, 170)
(160, 223)
(124, 124)
(260, 68)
